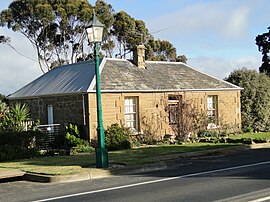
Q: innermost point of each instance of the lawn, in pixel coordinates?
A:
(264, 135)
(62, 165)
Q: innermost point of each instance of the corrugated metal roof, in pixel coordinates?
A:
(121, 75)
(61, 80)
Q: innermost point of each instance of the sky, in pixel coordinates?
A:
(217, 36)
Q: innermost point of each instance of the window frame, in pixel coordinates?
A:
(50, 114)
(212, 109)
(174, 109)
(131, 110)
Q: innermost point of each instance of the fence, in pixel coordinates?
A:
(27, 125)
(52, 131)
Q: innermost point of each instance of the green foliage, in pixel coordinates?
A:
(82, 149)
(3, 40)
(73, 136)
(56, 29)
(117, 137)
(2, 97)
(263, 43)
(207, 133)
(3, 109)
(124, 29)
(14, 117)
(255, 99)
(181, 58)
(18, 145)
(161, 50)
(105, 13)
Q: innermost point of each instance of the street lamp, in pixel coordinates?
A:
(94, 32)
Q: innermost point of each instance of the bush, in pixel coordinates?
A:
(255, 99)
(117, 137)
(19, 145)
(82, 149)
(207, 133)
(14, 118)
(260, 140)
(73, 136)
(8, 152)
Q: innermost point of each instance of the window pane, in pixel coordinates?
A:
(212, 108)
(50, 114)
(131, 112)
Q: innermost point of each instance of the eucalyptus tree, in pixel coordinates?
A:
(105, 13)
(263, 43)
(54, 28)
(123, 26)
(4, 39)
(2, 96)
(160, 50)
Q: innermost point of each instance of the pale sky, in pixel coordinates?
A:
(217, 36)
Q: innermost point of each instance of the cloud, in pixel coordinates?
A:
(222, 67)
(237, 24)
(16, 70)
(219, 18)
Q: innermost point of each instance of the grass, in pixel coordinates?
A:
(264, 135)
(63, 165)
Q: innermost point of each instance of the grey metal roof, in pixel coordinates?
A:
(119, 75)
(61, 80)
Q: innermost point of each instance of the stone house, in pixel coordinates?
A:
(134, 93)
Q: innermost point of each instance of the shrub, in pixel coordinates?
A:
(82, 149)
(14, 117)
(117, 137)
(18, 145)
(207, 133)
(73, 136)
(259, 140)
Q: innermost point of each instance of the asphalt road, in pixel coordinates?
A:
(242, 176)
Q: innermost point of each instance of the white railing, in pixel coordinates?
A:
(52, 130)
(27, 125)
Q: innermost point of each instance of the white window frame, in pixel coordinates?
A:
(50, 114)
(131, 113)
(212, 108)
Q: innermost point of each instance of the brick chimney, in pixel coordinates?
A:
(139, 56)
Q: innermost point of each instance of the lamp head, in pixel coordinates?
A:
(94, 30)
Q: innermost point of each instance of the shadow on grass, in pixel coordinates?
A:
(129, 158)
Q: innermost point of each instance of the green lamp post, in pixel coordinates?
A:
(94, 32)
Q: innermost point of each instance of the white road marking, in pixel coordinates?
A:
(156, 181)
(261, 199)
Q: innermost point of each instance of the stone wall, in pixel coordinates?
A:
(152, 105)
(66, 108)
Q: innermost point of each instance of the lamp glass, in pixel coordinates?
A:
(94, 34)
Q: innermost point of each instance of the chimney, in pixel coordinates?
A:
(139, 56)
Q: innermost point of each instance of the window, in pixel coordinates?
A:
(50, 114)
(173, 109)
(212, 102)
(131, 112)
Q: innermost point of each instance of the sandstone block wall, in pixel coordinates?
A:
(151, 109)
(152, 115)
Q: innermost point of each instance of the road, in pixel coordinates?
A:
(242, 176)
